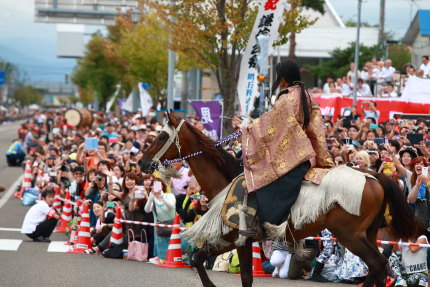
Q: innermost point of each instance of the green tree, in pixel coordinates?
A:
(97, 71)
(338, 64)
(27, 95)
(399, 55)
(213, 34)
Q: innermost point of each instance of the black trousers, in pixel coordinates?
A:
(15, 159)
(276, 199)
(44, 229)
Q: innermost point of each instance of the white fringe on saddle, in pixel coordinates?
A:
(342, 185)
(210, 228)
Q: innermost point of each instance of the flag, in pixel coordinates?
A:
(267, 23)
(210, 114)
(145, 99)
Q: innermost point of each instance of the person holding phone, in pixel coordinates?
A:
(95, 192)
(134, 209)
(162, 204)
(371, 111)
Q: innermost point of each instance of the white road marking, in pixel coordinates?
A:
(10, 229)
(10, 244)
(10, 191)
(58, 246)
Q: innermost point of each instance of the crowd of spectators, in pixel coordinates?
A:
(376, 78)
(109, 177)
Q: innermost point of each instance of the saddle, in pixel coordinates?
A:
(238, 202)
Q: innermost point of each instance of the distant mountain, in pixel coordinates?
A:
(36, 60)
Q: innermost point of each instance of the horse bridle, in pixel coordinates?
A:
(173, 137)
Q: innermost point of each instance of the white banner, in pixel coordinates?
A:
(267, 23)
(128, 104)
(417, 90)
(112, 100)
(145, 100)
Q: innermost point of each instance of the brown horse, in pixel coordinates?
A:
(215, 169)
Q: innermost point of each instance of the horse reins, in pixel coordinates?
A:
(174, 137)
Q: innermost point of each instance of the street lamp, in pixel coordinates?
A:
(357, 51)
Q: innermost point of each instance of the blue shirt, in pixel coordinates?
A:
(15, 148)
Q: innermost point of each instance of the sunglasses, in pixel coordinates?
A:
(371, 152)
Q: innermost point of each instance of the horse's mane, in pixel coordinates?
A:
(217, 154)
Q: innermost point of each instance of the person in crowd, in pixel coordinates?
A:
(361, 158)
(162, 206)
(388, 71)
(41, 219)
(419, 194)
(326, 87)
(135, 197)
(425, 66)
(363, 89)
(351, 73)
(388, 92)
(371, 110)
(179, 184)
(15, 154)
(79, 184)
(95, 192)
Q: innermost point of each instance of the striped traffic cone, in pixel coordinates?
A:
(257, 268)
(174, 252)
(26, 183)
(84, 237)
(57, 202)
(66, 215)
(116, 235)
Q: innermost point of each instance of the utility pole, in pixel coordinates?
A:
(357, 52)
(381, 22)
(171, 74)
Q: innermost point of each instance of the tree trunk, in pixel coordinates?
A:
(292, 40)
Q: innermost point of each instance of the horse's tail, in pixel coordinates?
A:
(402, 225)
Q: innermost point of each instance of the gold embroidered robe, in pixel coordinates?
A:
(276, 143)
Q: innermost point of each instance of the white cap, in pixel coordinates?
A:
(134, 128)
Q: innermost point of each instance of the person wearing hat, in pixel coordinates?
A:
(77, 187)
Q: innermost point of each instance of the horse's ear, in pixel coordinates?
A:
(171, 117)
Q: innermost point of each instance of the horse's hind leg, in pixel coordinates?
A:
(377, 263)
(198, 258)
(245, 258)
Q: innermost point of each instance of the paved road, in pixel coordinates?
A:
(30, 264)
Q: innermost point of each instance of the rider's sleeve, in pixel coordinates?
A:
(315, 132)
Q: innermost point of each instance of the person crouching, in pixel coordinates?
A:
(41, 219)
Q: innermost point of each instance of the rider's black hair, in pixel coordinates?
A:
(291, 74)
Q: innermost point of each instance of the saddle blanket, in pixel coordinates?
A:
(342, 185)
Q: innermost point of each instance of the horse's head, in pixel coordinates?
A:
(165, 146)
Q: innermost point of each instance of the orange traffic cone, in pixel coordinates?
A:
(116, 235)
(26, 183)
(174, 252)
(257, 268)
(57, 203)
(66, 215)
(84, 237)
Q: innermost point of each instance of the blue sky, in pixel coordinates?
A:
(32, 46)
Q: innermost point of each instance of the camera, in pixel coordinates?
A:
(198, 197)
(99, 178)
(351, 164)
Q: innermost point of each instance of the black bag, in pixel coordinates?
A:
(164, 231)
(114, 251)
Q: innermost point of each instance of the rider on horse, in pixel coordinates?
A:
(283, 147)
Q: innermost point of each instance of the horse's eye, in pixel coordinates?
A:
(162, 137)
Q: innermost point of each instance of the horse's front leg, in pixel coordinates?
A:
(197, 260)
(245, 258)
